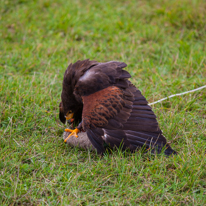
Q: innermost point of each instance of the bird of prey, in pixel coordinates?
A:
(109, 107)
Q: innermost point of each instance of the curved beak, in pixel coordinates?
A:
(69, 117)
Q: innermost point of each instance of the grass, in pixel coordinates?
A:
(163, 43)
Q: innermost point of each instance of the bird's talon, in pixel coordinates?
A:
(73, 133)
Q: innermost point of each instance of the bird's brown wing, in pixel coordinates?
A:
(107, 109)
(122, 117)
(142, 128)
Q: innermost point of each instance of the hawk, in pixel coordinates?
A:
(109, 108)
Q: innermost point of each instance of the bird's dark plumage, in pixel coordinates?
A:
(111, 109)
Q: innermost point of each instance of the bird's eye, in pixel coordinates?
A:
(70, 111)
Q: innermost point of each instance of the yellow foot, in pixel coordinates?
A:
(73, 133)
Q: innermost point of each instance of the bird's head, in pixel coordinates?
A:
(65, 115)
(70, 114)
(71, 106)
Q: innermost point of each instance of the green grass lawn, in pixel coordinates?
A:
(163, 43)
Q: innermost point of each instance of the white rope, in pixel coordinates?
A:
(174, 95)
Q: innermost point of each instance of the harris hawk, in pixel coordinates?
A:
(109, 108)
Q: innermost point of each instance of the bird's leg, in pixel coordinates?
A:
(73, 132)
